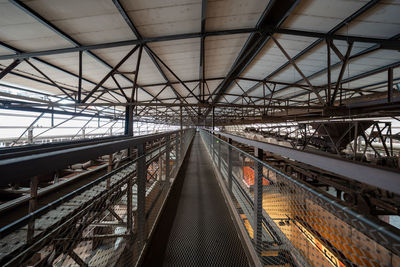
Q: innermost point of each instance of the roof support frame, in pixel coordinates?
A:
(9, 68)
(345, 61)
(49, 79)
(17, 51)
(345, 22)
(363, 75)
(273, 16)
(134, 88)
(52, 27)
(108, 75)
(298, 69)
(202, 48)
(173, 73)
(357, 55)
(150, 53)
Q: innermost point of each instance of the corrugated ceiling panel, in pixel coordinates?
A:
(271, 57)
(89, 21)
(321, 15)
(23, 32)
(221, 52)
(382, 21)
(182, 57)
(233, 14)
(157, 18)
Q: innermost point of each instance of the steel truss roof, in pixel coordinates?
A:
(246, 61)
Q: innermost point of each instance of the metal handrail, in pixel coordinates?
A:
(389, 179)
(24, 167)
(37, 213)
(380, 234)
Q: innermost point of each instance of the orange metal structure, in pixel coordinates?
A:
(248, 174)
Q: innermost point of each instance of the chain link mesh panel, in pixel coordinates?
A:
(300, 226)
(98, 224)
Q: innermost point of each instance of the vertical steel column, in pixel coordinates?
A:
(32, 206)
(30, 135)
(355, 139)
(129, 207)
(328, 45)
(109, 168)
(390, 85)
(141, 193)
(160, 166)
(129, 127)
(52, 116)
(56, 177)
(129, 120)
(389, 133)
(230, 176)
(80, 78)
(258, 196)
(167, 149)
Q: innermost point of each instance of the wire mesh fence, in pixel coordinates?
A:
(107, 222)
(290, 224)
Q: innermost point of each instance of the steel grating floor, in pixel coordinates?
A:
(196, 228)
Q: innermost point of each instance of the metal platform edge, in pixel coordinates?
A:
(240, 229)
(158, 217)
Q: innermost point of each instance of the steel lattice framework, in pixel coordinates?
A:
(237, 97)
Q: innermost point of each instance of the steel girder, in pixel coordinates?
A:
(355, 15)
(149, 52)
(273, 16)
(263, 30)
(52, 27)
(384, 43)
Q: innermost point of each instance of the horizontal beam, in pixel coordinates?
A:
(125, 43)
(6, 104)
(384, 43)
(155, 104)
(375, 176)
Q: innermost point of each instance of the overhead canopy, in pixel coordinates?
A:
(248, 53)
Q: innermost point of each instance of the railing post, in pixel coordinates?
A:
(160, 167)
(219, 153)
(32, 205)
(109, 168)
(129, 208)
(213, 147)
(182, 143)
(230, 176)
(141, 193)
(181, 131)
(167, 149)
(210, 142)
(258, 197)
(177, 148)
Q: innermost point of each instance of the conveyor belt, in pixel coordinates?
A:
(196, 228)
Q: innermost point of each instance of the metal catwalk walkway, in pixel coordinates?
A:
(196, 228)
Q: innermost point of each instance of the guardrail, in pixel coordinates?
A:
(107, 221)
(289, 223)
(26, 166)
